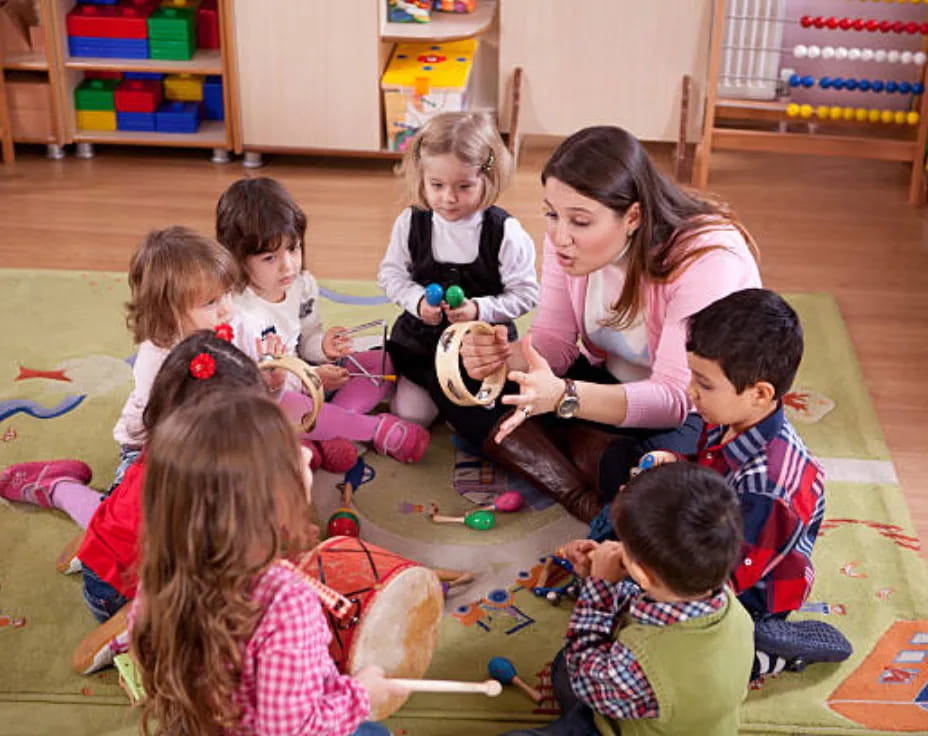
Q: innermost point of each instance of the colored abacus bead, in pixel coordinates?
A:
(876, 85)
(808, 81)
(828, 52)
(805, 111)
(841, 53)
(806, 21)
(886, 116)
(835, 112)
(866, 54)
(861, 114)
(912, 118)
(850, 84)
(831, 22)
(821, 112)
(905, 88)
(434, 294)
(892, 56)
(838, 83)
(886, 26)
(919, 57)
(795, 80)
(899, 26)
(872, 25)
(918, 88)
(859, 24)
(455, 296)
(849, 113)
(906, 57)
(814, 52)
(818, 21)
(824, 82)
(911, 27)
(891, 86)
(800, 51)
(879, 56)
(899, 117)
(792, 109)
(845, 24)
(863, 85)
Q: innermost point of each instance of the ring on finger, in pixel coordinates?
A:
(526, 411)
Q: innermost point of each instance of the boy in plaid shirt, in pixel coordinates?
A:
(743, 351)
(657, 642)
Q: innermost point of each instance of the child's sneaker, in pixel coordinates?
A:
(338, 455)
(801, 642)
(101, 645)
(67, 562)
(33, 482)
(402, 440)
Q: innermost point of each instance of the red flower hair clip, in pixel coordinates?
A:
(203, 366)
(225, 332)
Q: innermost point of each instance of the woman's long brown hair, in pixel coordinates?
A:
(223, 498)
(609, 165)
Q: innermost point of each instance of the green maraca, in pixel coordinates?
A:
(480, 520)
(454, 295)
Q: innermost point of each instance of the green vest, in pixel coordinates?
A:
(699, 670)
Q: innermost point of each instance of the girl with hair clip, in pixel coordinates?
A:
(452, 235)
(201, 364)
(226, 504)
(628, 256)
(259, 222)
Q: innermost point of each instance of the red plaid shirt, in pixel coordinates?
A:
(782, 494)
(290, 685)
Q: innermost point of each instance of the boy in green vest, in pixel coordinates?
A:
(657, 644)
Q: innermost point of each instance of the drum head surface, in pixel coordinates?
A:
(398, 631)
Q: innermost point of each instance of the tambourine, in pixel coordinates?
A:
(449, 372)
(308, 377)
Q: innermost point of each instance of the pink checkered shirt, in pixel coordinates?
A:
(290, 685)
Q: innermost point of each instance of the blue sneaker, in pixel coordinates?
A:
(801, 642)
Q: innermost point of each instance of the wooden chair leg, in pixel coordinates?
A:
(679, 159)
(515, 93)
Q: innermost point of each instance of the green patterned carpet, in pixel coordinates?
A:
(870, 582)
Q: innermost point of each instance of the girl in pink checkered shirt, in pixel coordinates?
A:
(228, 637)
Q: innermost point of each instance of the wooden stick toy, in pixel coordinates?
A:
(490, 688)
(453, 578)
(504, 671)
(385, 376)
(481, 519)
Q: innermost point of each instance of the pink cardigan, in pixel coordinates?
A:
(661, 400)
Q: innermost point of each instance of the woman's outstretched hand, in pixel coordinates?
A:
(484, 354)
(539, 390)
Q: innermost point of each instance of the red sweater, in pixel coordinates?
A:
(111, 543)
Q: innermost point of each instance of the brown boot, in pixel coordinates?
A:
(587, 447)
(529, 452)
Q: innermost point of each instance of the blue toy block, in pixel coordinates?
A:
(213, 109)
(158, 76)
(108, 48)
(135, 121)
(178, 117)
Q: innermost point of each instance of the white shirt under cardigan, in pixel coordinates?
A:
(459, 242)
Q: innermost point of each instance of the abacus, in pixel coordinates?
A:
(768, 92)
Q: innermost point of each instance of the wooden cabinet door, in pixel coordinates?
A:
(308, 73)
(601, 62)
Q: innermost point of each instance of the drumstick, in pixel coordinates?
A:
(490, 688)
(385, 376)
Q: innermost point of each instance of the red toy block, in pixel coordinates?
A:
(208, 25)
(101, 74)
(138, 95)
(128, 20)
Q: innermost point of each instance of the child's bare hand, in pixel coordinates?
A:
(335, 344)
(577, 552)
(652, 460)
(607, 562)
(333, 376)
(429, 314)
(378, 687)
(467, 312)
(272, 345)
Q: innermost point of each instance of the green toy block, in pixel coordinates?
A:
(172, 23)
(169, 49)
(96, 94)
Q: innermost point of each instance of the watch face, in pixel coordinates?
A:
(568, 407)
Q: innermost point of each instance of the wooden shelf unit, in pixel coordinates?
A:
(44, 62)
(212, 134)
(908, 148)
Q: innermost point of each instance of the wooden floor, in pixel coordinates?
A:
(833, 225)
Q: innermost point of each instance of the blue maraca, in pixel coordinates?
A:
(503, 670)
(434, 294)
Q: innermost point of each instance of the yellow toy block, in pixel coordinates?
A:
(183, 87)
(422, 80)
(96, 119)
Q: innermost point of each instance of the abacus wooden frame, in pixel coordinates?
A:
(731, 138)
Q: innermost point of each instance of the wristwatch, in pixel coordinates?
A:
(569, 404)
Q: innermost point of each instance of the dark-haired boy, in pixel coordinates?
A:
(669, 650)
(744, 351)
